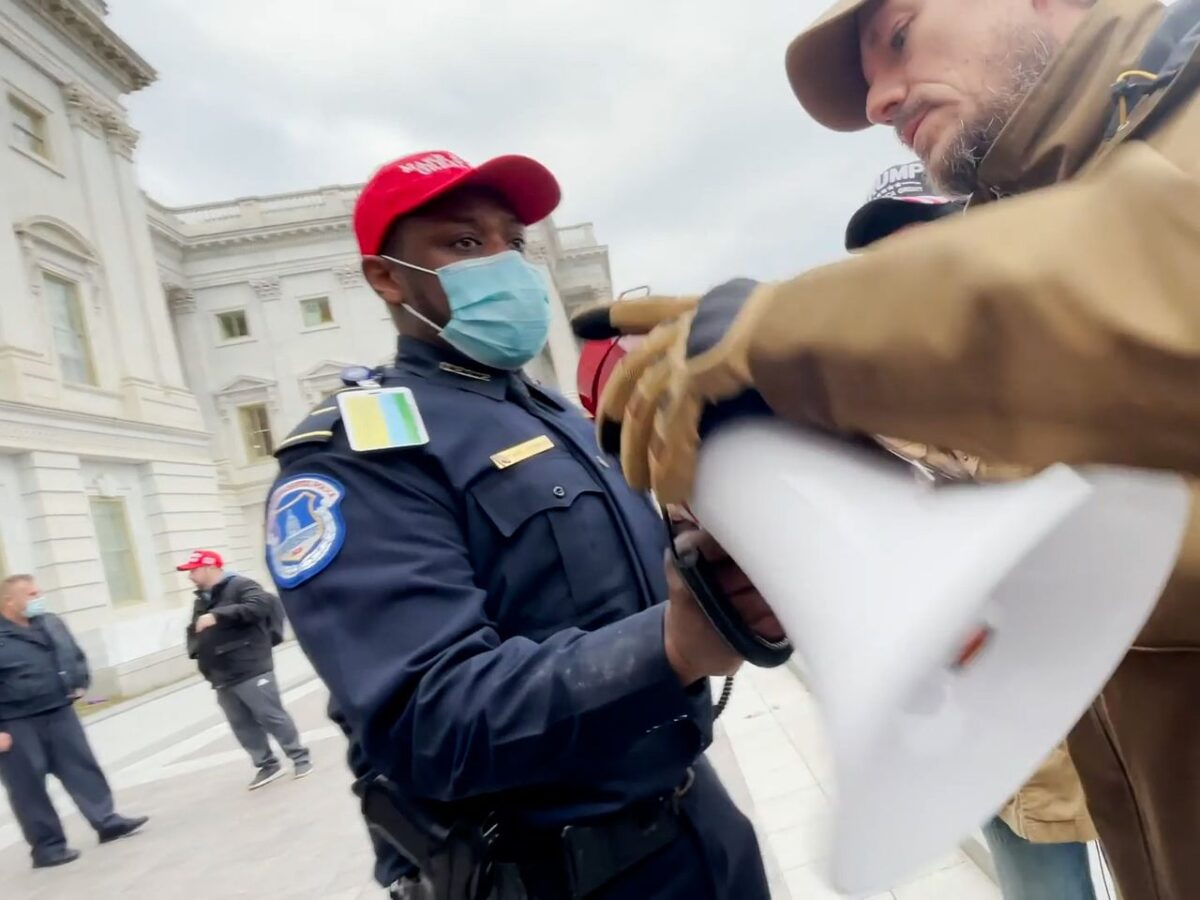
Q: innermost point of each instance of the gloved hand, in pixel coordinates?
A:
(695, 354)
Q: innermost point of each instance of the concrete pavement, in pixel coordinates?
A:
(171, 756)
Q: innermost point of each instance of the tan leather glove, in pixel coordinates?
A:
(694, 355)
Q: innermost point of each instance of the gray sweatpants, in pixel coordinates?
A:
(254, 710)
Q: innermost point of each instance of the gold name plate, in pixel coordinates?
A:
(521, 452)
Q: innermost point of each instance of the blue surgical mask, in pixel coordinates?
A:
(35, 607)
(499, 308)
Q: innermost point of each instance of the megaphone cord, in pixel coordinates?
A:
(724, 701)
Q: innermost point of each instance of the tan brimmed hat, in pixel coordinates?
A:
(825, 70)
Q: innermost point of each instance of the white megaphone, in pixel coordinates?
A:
(952, 634)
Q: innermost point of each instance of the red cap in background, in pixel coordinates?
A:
(201, 558)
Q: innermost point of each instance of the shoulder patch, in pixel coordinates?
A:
(305, 529)
(382, 419)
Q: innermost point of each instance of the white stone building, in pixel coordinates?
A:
(150, 357)
(106, 469)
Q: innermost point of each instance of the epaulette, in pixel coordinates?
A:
(317, 426)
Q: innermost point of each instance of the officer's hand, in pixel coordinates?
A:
(694, 648)
(208, 620)
(5, 741)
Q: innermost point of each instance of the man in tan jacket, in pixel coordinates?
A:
(1062, 324)
(1039, 840)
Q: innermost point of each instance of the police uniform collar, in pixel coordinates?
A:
(447, 366)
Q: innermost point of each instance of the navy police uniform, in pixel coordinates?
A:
(485, 606)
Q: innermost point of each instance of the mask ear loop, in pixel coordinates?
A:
(404, 306)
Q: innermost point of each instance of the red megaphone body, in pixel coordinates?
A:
(597, 359)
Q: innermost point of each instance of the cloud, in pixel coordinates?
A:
(670, 124)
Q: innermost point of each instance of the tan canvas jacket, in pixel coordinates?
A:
(1090, 272)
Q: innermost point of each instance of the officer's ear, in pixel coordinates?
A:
(379, 275)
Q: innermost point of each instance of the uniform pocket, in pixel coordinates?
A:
(231, 646)
(555, 556)
(511, 497)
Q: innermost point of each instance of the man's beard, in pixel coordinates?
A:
(955, 172)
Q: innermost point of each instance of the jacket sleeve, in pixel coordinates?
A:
(401, 634)
(250, 603)
(1059, 325)
(71, 656)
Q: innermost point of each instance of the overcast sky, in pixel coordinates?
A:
(669, 123)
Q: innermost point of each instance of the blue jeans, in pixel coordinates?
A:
(1029, 871)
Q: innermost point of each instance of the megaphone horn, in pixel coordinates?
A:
(952, 634)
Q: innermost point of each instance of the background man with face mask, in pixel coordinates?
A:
(42, 671)
(480, 589)
(1060, 325)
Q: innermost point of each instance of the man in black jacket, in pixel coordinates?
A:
(230, 637)
(42, 670)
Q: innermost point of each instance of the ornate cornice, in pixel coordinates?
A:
(246, 389)
(224, 239)
(87, 30)
(321, 379)
(350, 276)
(584, 252)
(264, 235)
(180, 299)
(87, 111)
(83, 108)
(35, 426)
(267, 288)
(122, 137)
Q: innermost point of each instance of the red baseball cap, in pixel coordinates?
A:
(410, 182)
(201, 558)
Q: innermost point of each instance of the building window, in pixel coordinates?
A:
(233, 325)
(70, 331)
(116, 550)
(28, 128)
(316, 312)
(256, 431)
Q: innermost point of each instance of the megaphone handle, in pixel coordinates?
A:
(698, 575)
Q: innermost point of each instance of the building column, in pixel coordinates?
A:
(561, 343)
(183, 505)
(65, 553)
(246, 539)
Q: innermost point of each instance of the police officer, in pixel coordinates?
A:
(399, 876)
(42, 670)
(480, 589)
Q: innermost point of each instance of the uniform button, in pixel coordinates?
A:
(560, 491)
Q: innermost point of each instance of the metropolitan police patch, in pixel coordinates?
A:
(305, 529)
